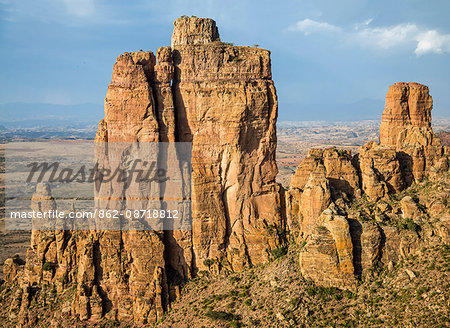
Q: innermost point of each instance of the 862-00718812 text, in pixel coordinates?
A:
(98, 213)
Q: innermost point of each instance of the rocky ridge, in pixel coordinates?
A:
(225, 104)
(330, 184)
(342, 210)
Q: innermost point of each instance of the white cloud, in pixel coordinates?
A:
(308, 26)
(388, 37)
(367, 22)
(401, 35)
(65, 12)
(80, 8)
(432, 41)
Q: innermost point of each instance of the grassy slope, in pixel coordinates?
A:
(276, 294)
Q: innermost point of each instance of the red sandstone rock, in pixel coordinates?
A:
(407, 104)
(222, 99)
(406, 125)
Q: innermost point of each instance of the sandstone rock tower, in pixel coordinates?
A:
(406, 126)
(408, 105)
(220, 98)
(339, 243)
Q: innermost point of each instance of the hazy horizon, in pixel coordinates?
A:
(325, 55)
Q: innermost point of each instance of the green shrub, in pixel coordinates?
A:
(324, 292)
(294, 301)
(208, 262)
(47, 266)
(234, 292)
(244, 293)
(348, 294)
(220, 297)
(234, 279)
(408, 224)
(222, 315)
(311, 291)
(235, 324)
(279, 251)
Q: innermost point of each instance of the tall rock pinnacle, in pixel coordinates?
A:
(407, 104)
(221, 100)
(219, 97)
(194, 31)
(406, 126)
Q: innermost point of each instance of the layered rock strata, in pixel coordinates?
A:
(406, 127)
(328, 179)
(220, 98)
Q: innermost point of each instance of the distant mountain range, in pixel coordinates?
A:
(21, 115)
(364, 109)
(40, 115)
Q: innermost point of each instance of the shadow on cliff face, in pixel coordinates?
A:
(252, 131)
(339, 186)
(355, 233)
(98, 273)
(183, 131)
(365, 255)
(176, 264)
(406, 166)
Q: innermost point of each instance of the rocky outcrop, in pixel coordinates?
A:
(407, 105)
(409, 208)
(327, 257)
(219, 97)
(380, 170)
(43, 238)
(324, 175)
(315, 198)
(339, 170)
(13, 269)
(406, 126)
(194, 31)
(407, 152)
(224, 102)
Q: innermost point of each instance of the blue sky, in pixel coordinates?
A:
(324, 52)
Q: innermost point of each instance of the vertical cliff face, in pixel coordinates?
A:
(194, 31)
(130, 113)
(226, 105)
(406, 126)
(221, 99)
(317, 208)
(407, 105)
